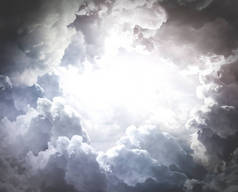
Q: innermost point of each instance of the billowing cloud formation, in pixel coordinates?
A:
(30, 134)
(133, 166)
(163, 147)
(45, 143)
(34, 36)
(75, 160)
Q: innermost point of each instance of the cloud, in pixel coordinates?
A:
(108, 18)
(44, 144)
(34, 37)
(137, 169)
(6, 101)
(216, 119)
(75, 160)
(224, 180)
(128, 168)
(29, 136)
(164, 148)
(76, 53)
(49, 84)
(37, 127)
(216, 122)
(16, 100)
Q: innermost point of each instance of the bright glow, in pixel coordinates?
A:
(127, 87)
(133, 84)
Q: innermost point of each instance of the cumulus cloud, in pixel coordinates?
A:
(164, 148)
(74, 160)
(44, 143)
(34, 37)
(127, 168)
(29, 135)
(216, 121)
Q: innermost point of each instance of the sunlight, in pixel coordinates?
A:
(125, 87)
(138, 84)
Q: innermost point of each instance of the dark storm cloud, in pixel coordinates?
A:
(219, 116)
(217, 123)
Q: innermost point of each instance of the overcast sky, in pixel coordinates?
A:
(118, 96)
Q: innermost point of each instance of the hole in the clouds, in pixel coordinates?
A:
(128, 89)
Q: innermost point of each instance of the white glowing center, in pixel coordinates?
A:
(139, 85)
(127, 88)
(127, 83)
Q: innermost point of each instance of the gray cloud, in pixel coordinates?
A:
(165, 149)
(127, 169)
(75, 160)
(49, 84)
(34, 36)
(29, 136)
(216, 121)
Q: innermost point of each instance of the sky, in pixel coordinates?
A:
(118, 96)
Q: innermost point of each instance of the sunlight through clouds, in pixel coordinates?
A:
(146, 88)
